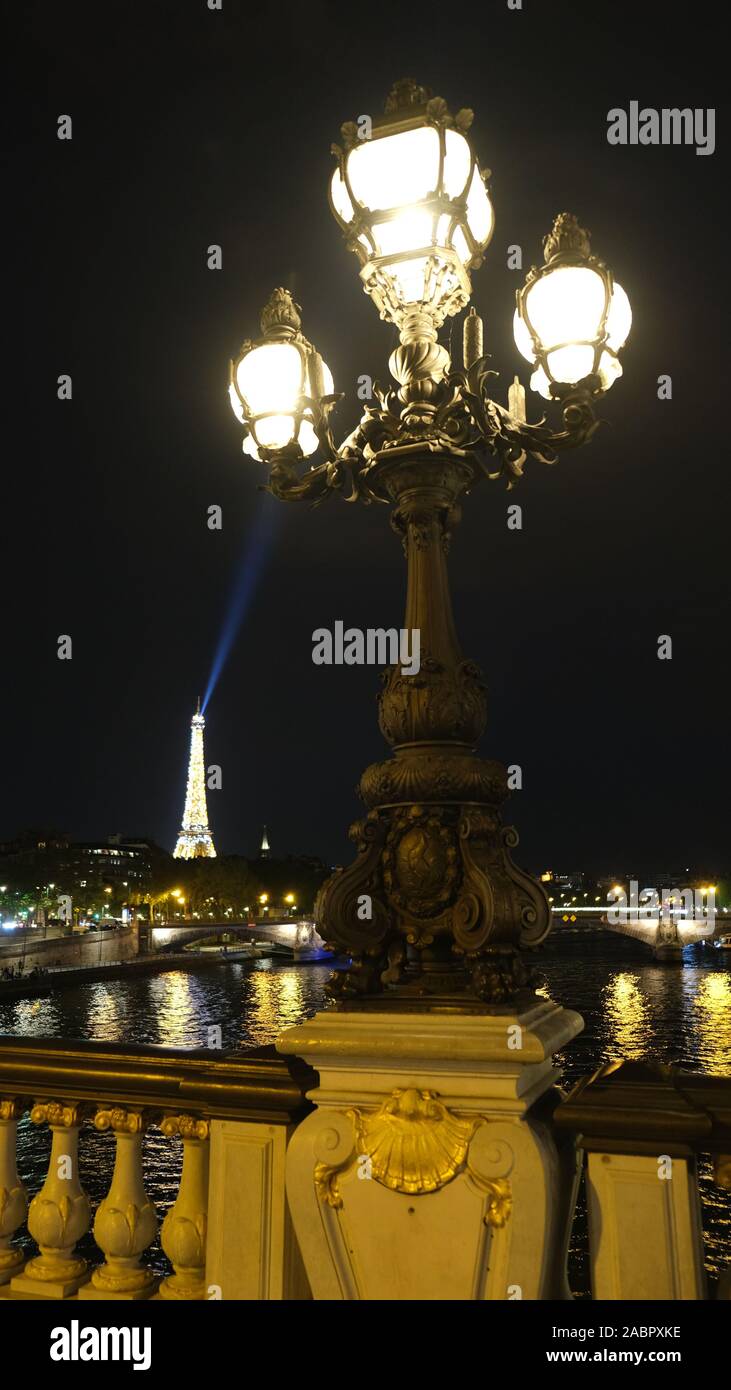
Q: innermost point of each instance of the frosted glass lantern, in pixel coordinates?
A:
(414, 207)
(277, 384)
(571, 318)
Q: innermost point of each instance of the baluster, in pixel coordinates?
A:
(13, 1196)
(59, 1214)
(125, 1222)
(184, 1227)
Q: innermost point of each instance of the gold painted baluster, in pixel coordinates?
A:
(184, 1227)
(126, 1222)
(59, 1214)
(13, 1196)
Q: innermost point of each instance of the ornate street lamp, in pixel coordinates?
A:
(280, 388)
(414, 207)
(572, 318)
(433, 908)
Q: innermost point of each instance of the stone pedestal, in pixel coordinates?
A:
(429, 1169)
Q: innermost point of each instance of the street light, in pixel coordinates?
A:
(414, 207)
(280, 387)
(571, 318)
(449, 910)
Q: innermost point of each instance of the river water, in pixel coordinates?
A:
(632, 1007)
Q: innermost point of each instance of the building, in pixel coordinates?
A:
(37, 860)
(575, 882)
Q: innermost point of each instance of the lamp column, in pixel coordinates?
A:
(429, 1169)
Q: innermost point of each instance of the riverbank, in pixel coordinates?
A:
(76, 949)
(153, 964)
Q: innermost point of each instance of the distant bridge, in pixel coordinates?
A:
(666, 938)
(301, 936)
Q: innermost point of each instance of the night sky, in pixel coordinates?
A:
(193, 127)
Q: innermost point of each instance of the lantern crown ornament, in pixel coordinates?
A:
(571, 317)
(414, 207)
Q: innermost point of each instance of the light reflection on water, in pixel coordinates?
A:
(628, 1018)
(710, 1018)
(251, 1005)
(632, 1007)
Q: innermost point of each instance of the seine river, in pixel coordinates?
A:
(632, 1007)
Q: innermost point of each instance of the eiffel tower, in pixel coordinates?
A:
(194, 840)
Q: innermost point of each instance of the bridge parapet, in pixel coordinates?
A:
(640, 1125)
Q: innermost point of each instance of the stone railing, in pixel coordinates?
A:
(641, 1126)
(228, 1234)
(477, 1159)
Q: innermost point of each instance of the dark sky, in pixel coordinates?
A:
(192, 128)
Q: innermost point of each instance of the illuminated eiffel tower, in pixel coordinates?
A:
(194, 840)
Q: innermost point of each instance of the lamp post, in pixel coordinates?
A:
(433, 909)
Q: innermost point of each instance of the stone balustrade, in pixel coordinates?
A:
(641, 1126)
(228, 1233)
(472, 1152)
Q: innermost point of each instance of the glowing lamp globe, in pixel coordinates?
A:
(413, 204)
(277, 384)
(572, 318)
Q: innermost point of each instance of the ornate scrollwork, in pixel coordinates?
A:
(349, 912)
(11, 1107)
(120, 1120)
(438, 702)
(66, 1114)
(442, 411)
(449, 910)
(185, 1127)
(533, 905)
(498, 441)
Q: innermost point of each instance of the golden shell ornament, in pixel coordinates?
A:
(413, 1142)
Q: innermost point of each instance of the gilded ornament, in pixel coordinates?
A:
(11, 1108)
(65, 1114)
(185, 1127)
(500, 1203)
(326, 1184)
(120, 1120)
(414, 1143)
